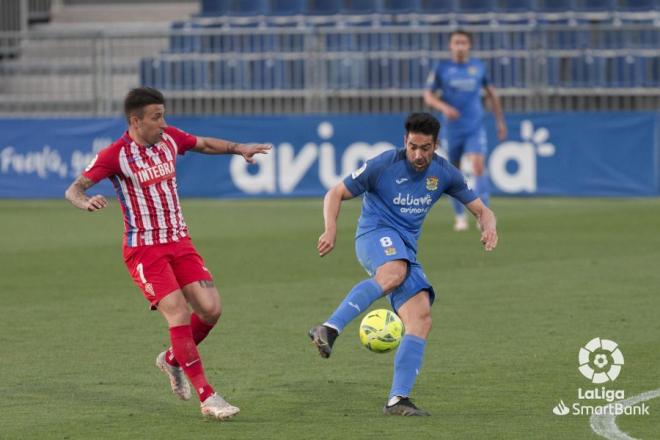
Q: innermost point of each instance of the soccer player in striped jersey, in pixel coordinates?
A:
(157, 249)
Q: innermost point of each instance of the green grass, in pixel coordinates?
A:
(77, 342)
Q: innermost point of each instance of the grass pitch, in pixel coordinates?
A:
(78, 344)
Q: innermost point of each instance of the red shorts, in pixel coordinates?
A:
(161, 269)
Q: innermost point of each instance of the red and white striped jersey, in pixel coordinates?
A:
(145, 181)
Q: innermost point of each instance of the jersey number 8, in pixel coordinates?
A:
(386, 241)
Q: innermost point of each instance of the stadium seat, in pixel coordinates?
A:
(515, 11)
(475, 6)
(212, 42)
(555, 11)
(476, 12)
(637, 5)
(210, 8)
(181, 41)
(638, 11)
(288, 7)
(438, 6)
(248, 7)
(323, 7)
(348, 73)
(400, 6)
(501, 71)
(514, 6)
(594, 10)
(355, 7)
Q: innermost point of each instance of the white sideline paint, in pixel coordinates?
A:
(605, 424)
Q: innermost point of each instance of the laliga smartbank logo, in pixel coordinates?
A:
(600, 361)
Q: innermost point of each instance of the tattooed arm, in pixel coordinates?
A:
(76, 195)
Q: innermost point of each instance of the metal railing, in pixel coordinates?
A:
(244, 70)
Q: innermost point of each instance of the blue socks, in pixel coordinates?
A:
(357, 301)
(482, 188)
(407, 362)
(459, 209)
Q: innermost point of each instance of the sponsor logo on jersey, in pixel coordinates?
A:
(472, 71)
(409, 200)
(150, 175)
(390, 251)
(431, 183)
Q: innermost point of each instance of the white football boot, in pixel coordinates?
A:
(461, 223)
(218, 408)
(177, 377)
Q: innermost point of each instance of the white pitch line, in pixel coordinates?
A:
(605, 424)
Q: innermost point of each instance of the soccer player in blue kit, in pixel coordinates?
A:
(399, 187)
(459, 82)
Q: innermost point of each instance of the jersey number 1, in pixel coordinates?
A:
(140, 270)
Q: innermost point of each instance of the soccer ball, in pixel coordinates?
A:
(381, 331)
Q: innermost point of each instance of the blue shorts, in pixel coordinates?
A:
(459, 144)
(377, 247)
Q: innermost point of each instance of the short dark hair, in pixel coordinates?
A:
(424, 123)
(137, 99)
(461, 32)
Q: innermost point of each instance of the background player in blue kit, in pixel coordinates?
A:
(399, 187)
(459, 82)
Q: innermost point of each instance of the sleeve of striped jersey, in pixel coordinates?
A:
(104, 164)
(457, 188)
(184, 141)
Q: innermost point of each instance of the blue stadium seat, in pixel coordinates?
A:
(248, 7)
(288, 7)
(214, 7)
(396, 73)
(638, 11)
(476, 12)
(348, 73)
(438, 6)
(506, 72)
(515, 11)
(555, 11)
(637, 5)
(217, 43)
(476, 6)
(595, 5)
(353, 7)
(400, 6)
(629, 71)
(290, 74)
(323, 7)
(174, 74)
(554, 5)
(595, 10)
(150, 74)
(514, 6)
(180, 41)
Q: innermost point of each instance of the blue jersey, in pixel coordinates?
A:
(460, 85)
(399, 197)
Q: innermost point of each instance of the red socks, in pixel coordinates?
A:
(199, 331)
(185, 350)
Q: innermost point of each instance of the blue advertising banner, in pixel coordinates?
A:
(568, 154)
